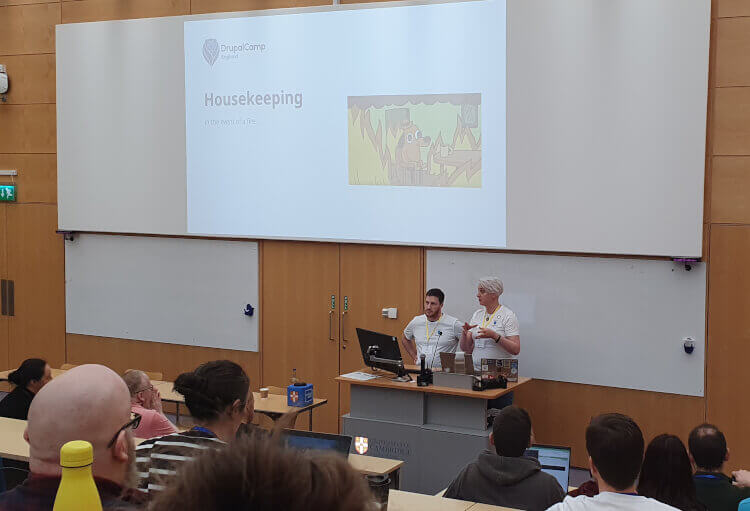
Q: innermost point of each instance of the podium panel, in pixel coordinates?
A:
(435, 430)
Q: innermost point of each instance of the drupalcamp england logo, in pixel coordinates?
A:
(211, 50)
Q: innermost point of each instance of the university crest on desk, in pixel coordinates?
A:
(360, 444)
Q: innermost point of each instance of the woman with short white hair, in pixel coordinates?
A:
(493, 330)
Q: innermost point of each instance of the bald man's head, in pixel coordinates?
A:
(89, 402)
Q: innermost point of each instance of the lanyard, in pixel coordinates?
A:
(204, 430)
(427, 327)
(487, 320)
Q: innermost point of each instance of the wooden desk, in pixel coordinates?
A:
(373, 466)
(274, 405)
(487, 507)
(4, 374)
(386, 382)
(407, 501)
(13, 446)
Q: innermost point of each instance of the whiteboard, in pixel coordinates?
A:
(606, 123)
(171, 290)
(598, 321)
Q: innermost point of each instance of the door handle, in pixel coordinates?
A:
(343, 329)
(330, 325)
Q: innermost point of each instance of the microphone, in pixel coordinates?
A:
(437, 343)
(421, 358)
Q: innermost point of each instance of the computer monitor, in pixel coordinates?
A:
(311, 441)
(555, 461)
(385, 347)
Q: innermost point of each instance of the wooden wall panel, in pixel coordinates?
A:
(730, 121)
(730, 189)
(32, 78)
(170, 359)
(28, 129)
(36, 264)
(730, 8)
(26, 29)
(3, 236)
(729, 337)
(4, 275)
(732, 52)
(37, 176)
(206, 6)
(98, 10)
(298, 327)
(560, 412)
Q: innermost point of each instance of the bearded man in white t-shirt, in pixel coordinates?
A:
(615, 446)
(431, 333)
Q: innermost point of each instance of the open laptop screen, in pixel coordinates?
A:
(555, 461)
(307, 440)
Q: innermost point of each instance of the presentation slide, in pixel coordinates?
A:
(375, 124)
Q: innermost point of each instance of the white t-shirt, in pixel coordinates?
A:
(441, 335)
(504, 322)
(609, 501)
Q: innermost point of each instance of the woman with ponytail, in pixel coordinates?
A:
(219, 398)
(29, 378)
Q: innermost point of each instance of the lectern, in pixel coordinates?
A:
(435, 430)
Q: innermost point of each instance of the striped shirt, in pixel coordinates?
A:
(157, 460)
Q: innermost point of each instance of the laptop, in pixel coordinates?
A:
(555, 461)
(312, 441)
(448, 363)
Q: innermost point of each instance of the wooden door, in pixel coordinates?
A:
(300, 329)
(374, 277)
(36, 264)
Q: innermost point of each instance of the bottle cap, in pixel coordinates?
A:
(75, 454)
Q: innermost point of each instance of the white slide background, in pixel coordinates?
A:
(290, 167)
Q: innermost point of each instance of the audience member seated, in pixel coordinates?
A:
(506, 477)
(615, 446)
(219, 398)
(90, 403)
(667, 476)
(145, 400)
(708, 451)
(261, 475)
(29, 378)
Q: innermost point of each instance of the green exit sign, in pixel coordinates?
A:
(7, 193)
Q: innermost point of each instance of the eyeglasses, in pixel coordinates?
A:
(150, 387)
(134, 422)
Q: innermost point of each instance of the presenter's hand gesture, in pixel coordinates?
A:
(487, 332)
(468, 327)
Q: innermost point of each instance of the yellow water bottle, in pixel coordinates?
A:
(77, 488)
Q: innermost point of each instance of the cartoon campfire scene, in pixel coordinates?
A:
(419, 140)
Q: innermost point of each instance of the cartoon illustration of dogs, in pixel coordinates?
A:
(409, 168)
